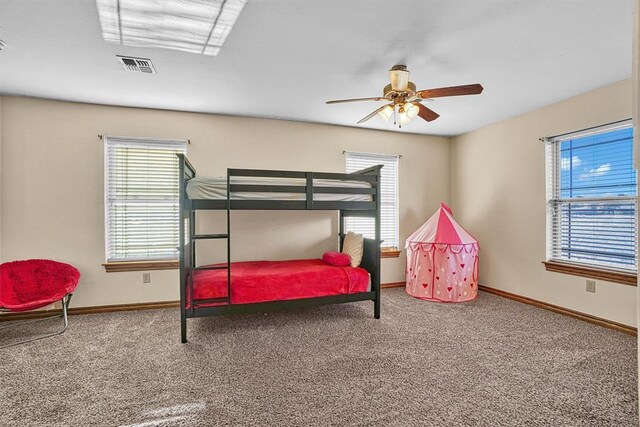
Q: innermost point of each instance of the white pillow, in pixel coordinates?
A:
(353, 246)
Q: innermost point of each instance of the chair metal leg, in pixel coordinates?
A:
(65, 305)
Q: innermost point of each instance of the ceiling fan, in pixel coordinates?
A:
(405, 102)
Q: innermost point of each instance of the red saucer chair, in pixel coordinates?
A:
(36, 283)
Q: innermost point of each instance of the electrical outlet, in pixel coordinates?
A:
(591, 286)
(146, 277)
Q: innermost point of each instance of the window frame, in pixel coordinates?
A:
(553, 164)
(138, 264)
(387, 251)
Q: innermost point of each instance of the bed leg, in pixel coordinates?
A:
(183, 328)
(376, 306)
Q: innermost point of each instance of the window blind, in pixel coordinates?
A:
(141, 198)
(388, 197)
(591, 198)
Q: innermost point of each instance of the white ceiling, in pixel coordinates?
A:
(285, 58)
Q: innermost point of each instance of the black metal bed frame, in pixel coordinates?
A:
(187, 249)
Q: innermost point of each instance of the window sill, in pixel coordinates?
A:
(389, 253)
(116, 267)
(591, 272)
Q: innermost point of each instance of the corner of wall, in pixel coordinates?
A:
(453, 172)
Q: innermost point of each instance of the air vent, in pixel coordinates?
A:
(137, 65)
(2, 44)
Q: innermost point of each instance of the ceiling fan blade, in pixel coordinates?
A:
(440, 92)
(364, 119)
(337, 101)
(427, 113)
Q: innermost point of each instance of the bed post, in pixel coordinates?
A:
(229, 239)
(181, 224)
(376, 283)
(371, 257)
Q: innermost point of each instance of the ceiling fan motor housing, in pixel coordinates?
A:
(399, 76)
(390, 93)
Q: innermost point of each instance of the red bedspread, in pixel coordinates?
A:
(260, 281)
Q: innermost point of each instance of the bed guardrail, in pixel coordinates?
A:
(308, 189)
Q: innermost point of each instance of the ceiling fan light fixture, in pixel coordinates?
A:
(403, 117)
(411, 109)
(385, 113)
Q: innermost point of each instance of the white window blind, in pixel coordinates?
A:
(141, 198)
(591, 198)
(388, 197)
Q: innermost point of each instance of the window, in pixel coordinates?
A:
(388, 197)
(591, 198)
(141, 199)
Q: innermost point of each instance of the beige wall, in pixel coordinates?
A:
(51, 202)
(498, 188)
(52, 185)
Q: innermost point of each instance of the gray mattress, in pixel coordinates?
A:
(216, 189)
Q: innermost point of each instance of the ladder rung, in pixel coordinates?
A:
(211, 267)
(209, 236)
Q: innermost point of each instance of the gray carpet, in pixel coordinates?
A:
(490, 362)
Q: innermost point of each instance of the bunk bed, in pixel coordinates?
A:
(242, 287)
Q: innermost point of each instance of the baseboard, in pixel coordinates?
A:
(90, 310)
(392, 285)
(113, 308)
(630, 330)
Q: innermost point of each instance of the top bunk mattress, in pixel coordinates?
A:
(216, 189)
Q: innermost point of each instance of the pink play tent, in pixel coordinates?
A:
(442, 260)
